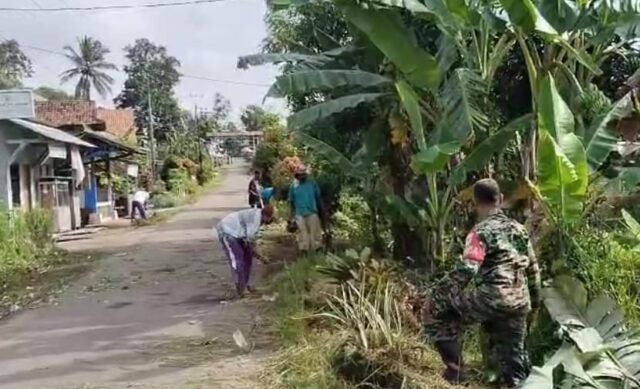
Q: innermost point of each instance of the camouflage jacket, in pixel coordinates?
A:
(499, 255)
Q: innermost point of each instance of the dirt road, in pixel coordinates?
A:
(153, 314)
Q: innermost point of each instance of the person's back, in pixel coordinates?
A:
(502, 278)
(240, 224)
(141, 196)
(304, 198)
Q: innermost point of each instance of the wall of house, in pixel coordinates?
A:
(5, 153)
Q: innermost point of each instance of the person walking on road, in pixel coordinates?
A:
(139, 204)
(306, 207)
(499, 255)
(237, 233)
(255, 189)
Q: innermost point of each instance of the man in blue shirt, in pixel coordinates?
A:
(304, 199)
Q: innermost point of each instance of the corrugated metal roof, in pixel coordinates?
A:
(51, 133)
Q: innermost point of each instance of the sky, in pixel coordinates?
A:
(206, 38)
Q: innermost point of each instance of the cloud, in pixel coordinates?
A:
(207, 39)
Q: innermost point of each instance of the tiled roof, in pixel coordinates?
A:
(64, 113)
(119, 122)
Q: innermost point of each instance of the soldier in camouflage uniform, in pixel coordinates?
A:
(500, 257)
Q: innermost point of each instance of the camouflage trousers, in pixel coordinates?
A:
(505, 333)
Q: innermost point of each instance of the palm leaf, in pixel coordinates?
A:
(317, 80)
(323, 110)
(461, 100)
(599, 139)
(489, 147)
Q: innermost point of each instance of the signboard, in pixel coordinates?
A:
(58, 151)
(17, 104)
(132, 170)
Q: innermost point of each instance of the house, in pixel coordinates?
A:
(41, 166)
(104, 128)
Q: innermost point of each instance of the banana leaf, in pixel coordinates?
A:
(323, 110)
(317, 80)
(409, 100)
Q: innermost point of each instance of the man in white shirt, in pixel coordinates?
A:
(237, 233)
(140, 198)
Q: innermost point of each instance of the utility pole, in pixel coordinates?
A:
(152, 137)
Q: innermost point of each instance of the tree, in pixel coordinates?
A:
(53, 94)
(90, 67)
(255, 118)
(14, 65)
(151, 76)
(221, 108)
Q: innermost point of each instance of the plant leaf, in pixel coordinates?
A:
(245, 61)
(461, 99)
(434, 158)
(599, 139)
(489, 147)
(329, 153)
(632, 225)
(409, 100)
(385, 28)
(563, 174)
(323, 110)
(524, 14)
(316, 80)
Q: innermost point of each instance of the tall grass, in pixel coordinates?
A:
(25, 245)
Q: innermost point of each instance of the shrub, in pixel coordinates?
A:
(165, 200)
(25, 244)
(180, 182)
(206, 172)
(352, 221)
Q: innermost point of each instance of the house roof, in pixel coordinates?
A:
(51, 133)
(118, 122)
(107, 138)
(64, 113)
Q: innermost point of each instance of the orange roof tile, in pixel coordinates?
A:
(119, 122)
(64, 113)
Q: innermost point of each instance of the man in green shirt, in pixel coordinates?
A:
(304, 199)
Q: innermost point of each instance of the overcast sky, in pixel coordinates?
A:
(206, 38)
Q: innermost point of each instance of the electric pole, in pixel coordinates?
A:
(152, 137)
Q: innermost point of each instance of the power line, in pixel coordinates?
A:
(226, 81)
(110, 7)
(201, 78)
(36, 4)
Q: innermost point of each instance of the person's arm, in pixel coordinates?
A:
(292, 204)
(472, 258)
(534, 281)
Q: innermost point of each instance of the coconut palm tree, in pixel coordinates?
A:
(90, 67)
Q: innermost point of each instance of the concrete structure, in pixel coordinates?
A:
(247, 138)
(40, 166)
(106, 128)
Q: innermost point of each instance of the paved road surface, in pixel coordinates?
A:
(153, 314)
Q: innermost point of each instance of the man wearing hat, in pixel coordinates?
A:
(305, 202)
(237, 233)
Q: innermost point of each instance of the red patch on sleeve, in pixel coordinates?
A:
(474, 249)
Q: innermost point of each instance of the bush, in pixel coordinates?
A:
(181, 183)
(206, 173)
(25, 244)
(352, 221)
(165, 200)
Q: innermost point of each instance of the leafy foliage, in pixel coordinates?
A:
(14, 65)
(151, 76)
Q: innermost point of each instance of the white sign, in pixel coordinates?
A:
(132, 170)
(58, 151)
(17, 104)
